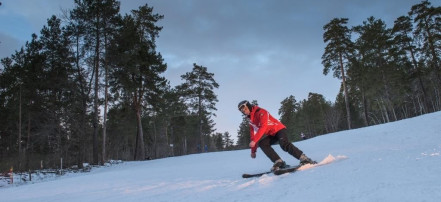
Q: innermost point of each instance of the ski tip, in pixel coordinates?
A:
(250, 175)
(255, 174)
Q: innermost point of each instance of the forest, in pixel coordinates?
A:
(387, 73)
(89, 88)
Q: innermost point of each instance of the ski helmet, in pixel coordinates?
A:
(244, 103)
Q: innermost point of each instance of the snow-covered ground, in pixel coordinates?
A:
(399, 161)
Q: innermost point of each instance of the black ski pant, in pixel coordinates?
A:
(281, 137)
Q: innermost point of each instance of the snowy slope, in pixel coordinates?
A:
(398, 161)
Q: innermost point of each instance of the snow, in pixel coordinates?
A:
(398, 161)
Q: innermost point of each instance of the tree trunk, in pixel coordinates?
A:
(140, 137)
(19, 132)
(155, 139)
(365, 109)
(348, 112)
(103, 155)
(387, 102)
(96, 98)
(200, 119)
(420, 81)
(135, 154)
(28, 142)
(81, 130)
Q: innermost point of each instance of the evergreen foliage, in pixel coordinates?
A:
(197, 92)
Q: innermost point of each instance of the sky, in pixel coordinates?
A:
(398, 161)
(258, 50)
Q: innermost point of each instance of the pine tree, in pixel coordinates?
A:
(312, 115)
(287, 112)
(78, 116)
(227, 140)
(198, 91)
(33, 98)
(406, 45)
(57, 71)
(98, 17)
(375, 46)
(427, 19)
(136, 71)
(243, 133)
(337, 53)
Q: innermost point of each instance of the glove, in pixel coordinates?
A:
(252, 144)
(253, 155)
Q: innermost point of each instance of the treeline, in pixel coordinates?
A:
(387, 73)
(89, 89)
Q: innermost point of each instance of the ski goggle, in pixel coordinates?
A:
(242, 107)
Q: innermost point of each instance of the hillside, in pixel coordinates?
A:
(399, 161)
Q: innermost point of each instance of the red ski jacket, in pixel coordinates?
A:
(262, 123)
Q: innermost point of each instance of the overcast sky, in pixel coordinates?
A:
(264, 50)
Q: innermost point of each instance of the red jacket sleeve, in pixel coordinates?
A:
(263, 122)
(262, 118)
(253, 149)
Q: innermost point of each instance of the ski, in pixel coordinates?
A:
(287, 170)
(277, 172)
(255, 174)
(329, 159)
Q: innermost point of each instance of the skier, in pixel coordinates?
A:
(265, 130)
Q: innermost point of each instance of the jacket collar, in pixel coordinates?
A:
(253, 111)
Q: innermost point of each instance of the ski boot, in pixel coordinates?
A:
(278, 165)
(306, 160)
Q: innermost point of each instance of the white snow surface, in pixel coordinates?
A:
(398, 161)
